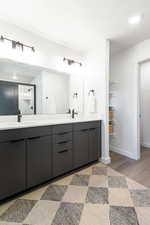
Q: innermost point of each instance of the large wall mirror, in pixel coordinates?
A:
(36, 90)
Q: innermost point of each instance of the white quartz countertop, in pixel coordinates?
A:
(37, 123)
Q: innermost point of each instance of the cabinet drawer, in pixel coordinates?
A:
(38, 131)
(22, 133)
(80, 126)
(62, 129)
(62, 146)
(10, 135)
(86, 125)
(57, 138)
(62, 162)
(94, 124)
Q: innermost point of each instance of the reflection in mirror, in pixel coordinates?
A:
(52, 92)
(15, 96)
(26, 99)
(8, 98)
(36, 90)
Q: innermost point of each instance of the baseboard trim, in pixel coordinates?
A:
(122, 152)
(105, 160)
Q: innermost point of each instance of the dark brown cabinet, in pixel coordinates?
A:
(86, 143)
(12, 167)
(62, 149)
(80, 147)
(62, 160)
(94, 144)
(39, 160)
(32, 156)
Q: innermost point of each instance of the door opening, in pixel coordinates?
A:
(144, 106)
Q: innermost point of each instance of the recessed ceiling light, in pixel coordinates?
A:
(135, 19)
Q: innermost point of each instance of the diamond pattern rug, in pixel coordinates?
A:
(97, 195)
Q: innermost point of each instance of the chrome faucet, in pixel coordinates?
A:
(73, 113)
(19, 116)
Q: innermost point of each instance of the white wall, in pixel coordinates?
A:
(124, 69)
(145, 104)
(47, 54)
(97, 78)
(76, 85)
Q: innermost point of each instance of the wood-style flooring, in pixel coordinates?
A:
(138, 170)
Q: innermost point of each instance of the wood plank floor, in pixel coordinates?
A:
(138, 170)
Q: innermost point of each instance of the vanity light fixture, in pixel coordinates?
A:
(16, 44)
(71, 61)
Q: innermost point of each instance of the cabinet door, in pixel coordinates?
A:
(94, 147)
(12, 168)
(62, 161)
(80, 147)
(39, 160)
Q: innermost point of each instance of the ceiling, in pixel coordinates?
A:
(80, 24)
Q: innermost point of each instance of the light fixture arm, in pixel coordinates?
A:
(16, 43)
(71, 61)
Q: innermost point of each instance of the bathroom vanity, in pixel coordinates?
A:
(32, 155)
(45, 143)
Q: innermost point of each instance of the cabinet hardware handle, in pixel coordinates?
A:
(93, 128)
(13, 141)
(32, 138)
(84, 130)
(63, 142)
(65, 150)
(62, 133)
